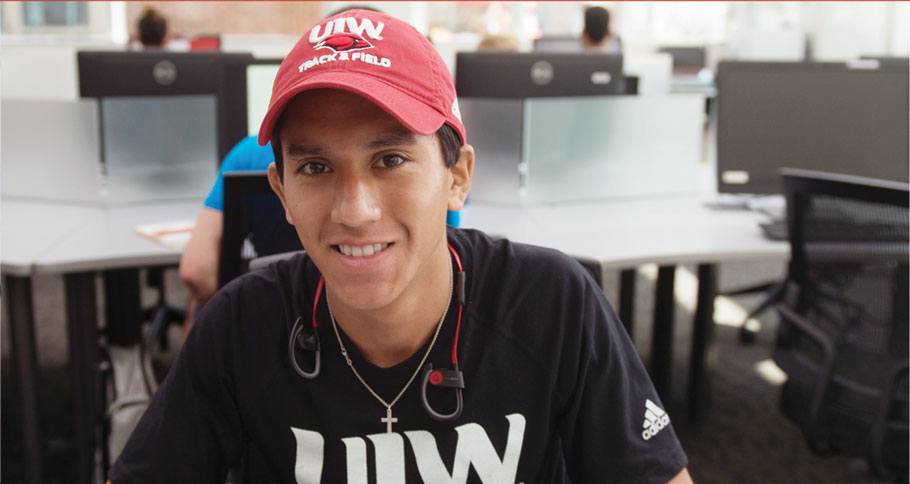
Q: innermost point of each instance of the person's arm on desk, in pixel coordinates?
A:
(199, 263)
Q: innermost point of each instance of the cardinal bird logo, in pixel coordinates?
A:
(344, 43)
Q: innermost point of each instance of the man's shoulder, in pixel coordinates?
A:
(510, 283)
(518, 263)
(281, 275)
(273, 291)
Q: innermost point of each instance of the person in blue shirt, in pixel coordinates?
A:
(199, 263)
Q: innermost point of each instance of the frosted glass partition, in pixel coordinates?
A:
(611, 147)
(494, 129)
(49, 149)
(159, 148)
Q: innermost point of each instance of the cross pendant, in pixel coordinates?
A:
(388, 420)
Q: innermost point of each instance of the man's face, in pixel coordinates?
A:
(367, 197)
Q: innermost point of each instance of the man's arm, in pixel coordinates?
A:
(199, 263)
(682, 478)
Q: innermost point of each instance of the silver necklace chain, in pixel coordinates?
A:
(347, 359)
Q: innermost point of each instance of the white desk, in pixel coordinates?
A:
(624, 234)
(627, 233)
(31, 228)
(77, 241)
(107, 239)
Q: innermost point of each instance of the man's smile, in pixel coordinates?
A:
(361, 250)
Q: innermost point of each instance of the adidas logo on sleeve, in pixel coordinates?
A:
(655, 420)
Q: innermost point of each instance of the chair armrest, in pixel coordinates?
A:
(261, 262)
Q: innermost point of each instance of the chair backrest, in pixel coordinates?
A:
(251, 211)
(843, 338)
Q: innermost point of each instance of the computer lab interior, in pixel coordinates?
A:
(734, 176)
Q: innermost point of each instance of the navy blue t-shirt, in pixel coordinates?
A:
(555, 391)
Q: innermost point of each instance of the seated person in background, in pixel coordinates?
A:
(152, 27)
(199, 262)
(495, 42)
(596, 35)
(397, 349)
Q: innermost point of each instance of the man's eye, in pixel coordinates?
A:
(313, 168)
(391, 161)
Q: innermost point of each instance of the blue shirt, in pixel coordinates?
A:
(248, 155)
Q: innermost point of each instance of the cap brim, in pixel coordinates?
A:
(410, 112)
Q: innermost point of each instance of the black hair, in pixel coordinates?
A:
(152, 28)
(597, 23)
(449, 142)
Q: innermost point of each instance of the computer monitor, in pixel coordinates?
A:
(104, 74)
(516, 75)
(260, 75)
(823, 116)
(903, 61)
(686, 59)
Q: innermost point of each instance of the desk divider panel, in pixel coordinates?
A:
(550, 150)
(611, 147)
(159, 147)
(494, 129)
(49, 149)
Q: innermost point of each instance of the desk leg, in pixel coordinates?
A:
(25, 362)
(122, 306)
(627, 300)
(82, 325)
(702, 356)
(662, 338)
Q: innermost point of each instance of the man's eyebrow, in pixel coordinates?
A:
(297, 149)
(389, 140)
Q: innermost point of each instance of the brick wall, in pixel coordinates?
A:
(194, 18)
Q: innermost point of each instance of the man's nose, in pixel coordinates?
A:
(355, 203)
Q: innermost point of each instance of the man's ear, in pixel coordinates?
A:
(461, 172)
(278, 187)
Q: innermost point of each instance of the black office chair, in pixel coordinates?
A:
(251, 212)
(843, 334)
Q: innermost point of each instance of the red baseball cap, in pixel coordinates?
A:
(375, 56)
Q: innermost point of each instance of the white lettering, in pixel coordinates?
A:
(339, 25)
(366, 25)
(473, 448)
(356, 453)
(308, 464)
(316, 37)
(658, 425)
(344, 56)
(389, 458)
(349, 24)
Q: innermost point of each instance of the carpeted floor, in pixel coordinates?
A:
(743, 440)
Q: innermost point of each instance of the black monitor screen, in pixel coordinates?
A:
(523, 75)
(829, 117)
(164, 73)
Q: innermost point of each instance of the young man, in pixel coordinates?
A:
(398, 350)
